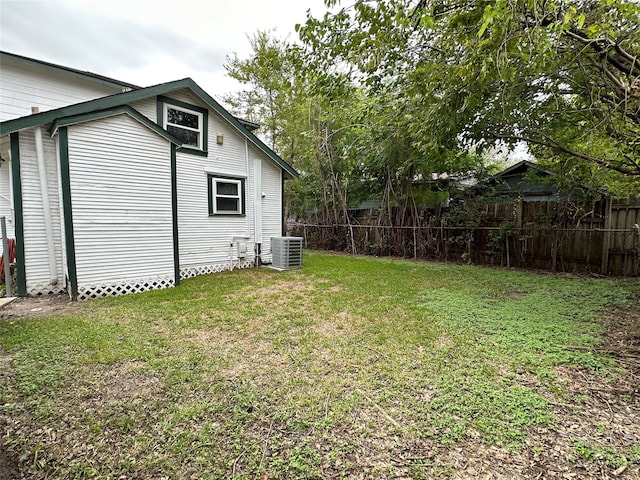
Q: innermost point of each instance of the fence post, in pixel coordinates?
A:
(6, 257)
(636, 237)
(506, 239)
(606, 241)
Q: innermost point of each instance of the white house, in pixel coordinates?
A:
(111, 188)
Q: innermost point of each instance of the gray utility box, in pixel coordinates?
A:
(286, 252)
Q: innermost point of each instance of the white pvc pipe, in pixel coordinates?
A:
(257, 198)
(13, 215)
(46, 207)
(256, 236)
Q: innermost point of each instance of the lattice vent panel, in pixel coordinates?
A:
(137, 286)
(42, 289)
(191, 272)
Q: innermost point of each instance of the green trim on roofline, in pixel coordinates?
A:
(21, 269)
(234, 121)
(122, 109)
(120, 99)
(251, 126)
(98, 104)
(69, 240)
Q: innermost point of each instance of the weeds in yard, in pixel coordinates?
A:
(349, 366)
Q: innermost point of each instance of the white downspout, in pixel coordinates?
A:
(63, 245)
(46, 207)
(257, 199)
(246, 156)
(9, 198)
(246, 171)
(253, 203)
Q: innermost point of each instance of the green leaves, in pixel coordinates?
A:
(380, 94)
(548, 74)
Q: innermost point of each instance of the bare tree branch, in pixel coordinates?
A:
(557, 146)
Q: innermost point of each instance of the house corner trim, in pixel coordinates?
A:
(68, 211)
(174, 214)
(21, 271)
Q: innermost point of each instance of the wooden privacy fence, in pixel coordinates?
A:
(606, 243)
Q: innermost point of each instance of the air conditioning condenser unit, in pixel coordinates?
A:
(286, 252)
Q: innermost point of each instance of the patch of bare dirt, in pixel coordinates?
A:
(8, 464)
(116, 384)
(622, 340)
(44, 306)
(341, 324)
(32, 448)
(285, 287)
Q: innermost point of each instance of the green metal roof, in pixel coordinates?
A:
(111, 112)
(121, 99)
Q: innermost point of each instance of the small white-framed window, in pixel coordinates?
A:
(184, 124)
(226, 196)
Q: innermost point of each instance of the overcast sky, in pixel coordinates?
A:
(147, 42)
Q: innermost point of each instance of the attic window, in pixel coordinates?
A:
(185, 125)
(188, 123)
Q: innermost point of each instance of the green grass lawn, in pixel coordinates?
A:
(348, 368)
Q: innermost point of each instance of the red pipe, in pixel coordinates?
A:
(12, 258)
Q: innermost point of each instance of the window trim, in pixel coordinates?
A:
(163, 103)
(212, 179)
(167, 124)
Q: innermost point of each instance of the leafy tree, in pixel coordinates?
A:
(561, 76)
(268, 73)
(309, 117)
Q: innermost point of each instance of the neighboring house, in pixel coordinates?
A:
(112, 188)
(532, 183)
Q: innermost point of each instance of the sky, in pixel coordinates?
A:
(148, 42)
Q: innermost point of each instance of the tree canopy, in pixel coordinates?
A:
(561, 76)
(382, 95)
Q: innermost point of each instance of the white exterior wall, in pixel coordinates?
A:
(24, 84)
(6, 195)
(147, 107)
(120, 176)
(36, 250)
(271, 206)
(205, 240)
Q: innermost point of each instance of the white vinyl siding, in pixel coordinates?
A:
(120, 176)
(204, 239)
(271, 206)
(35, 240)
(146, 107)
(24, 84)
